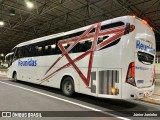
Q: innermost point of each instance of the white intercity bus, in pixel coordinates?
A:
(110, 59)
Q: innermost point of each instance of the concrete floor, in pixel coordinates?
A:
(22, 96)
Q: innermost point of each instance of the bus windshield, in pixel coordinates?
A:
(9, 59)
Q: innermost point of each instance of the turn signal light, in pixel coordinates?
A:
(144, 21)
(151, 28)
(114, 91)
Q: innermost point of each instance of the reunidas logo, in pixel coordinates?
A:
(144, 47)
(29, 62)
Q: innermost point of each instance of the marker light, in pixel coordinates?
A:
(151, 28)
(113, 90)
(145, 22)
(134, 16)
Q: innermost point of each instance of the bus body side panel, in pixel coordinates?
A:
(109, 71)
(144, 59)
(11, 69)
(55, 79)
(128, 47)
(10, 72)
(127, 58)
(143, 73)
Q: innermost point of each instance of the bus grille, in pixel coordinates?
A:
(107, 80)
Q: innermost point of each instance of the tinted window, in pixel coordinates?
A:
(19, 53)
(81, 46)
(9, 59)
(31, 50)
(14, 52)
(145, 58)
(38, 50)
(50, 47)
(26, 51)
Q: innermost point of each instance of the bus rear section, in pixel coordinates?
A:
(141, 74)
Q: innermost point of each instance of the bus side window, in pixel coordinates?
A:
(43, 50)
(58, 51)
(47, 49)
(19, 53)
(38, 50)
(26, 54)
(53, 49)
(82, 46)
(31, 51)
(87, 45)
(75, 49)
(50, 47)
(16, 54)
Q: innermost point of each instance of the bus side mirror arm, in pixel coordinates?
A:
(129, 28)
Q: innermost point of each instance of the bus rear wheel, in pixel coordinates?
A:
(68, 86)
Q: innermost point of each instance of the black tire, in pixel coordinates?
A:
(15, 77)
(68, 86)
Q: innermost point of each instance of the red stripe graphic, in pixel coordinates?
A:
(71, 46)
(118, 32)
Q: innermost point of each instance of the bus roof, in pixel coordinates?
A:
(123, 18)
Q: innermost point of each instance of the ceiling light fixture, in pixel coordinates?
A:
(2, 55)
(29, 4)
(1, 23)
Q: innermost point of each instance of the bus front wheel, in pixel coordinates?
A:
(68, 86)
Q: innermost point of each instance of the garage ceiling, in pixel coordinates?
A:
(53, 16)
